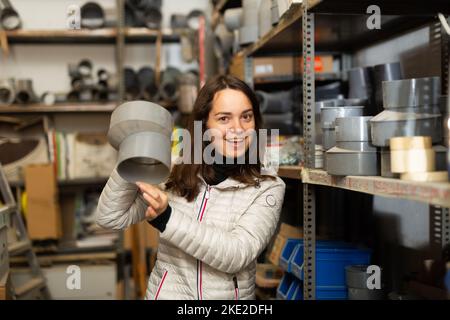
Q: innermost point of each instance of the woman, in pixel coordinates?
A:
(214, 219)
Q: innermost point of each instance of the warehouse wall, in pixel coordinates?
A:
(47, 64)
(402, 226)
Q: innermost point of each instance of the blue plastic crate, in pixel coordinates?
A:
(322, 293)
(284, 291)
(331, 260)
(287, 253)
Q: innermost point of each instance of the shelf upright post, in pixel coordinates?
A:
(309, 205)
(120, 50)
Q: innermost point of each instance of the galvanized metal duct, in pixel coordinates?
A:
(264, 17)
(169, 84)
(92, 16)
(188, 88)
(131, 84)
(147, 85)
(178, 21)
(193, 19)
(141, 132)
(24, 91)
(248, 33)
(233, 18)
(7, 92)
(9, 18)
(423, 93)
(276, 102)
(223, 42)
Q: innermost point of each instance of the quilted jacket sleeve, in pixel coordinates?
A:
(229, 251)
(120, 204)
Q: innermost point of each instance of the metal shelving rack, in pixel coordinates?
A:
(426, 192)
(339, 27)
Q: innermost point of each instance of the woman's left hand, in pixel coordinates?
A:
(156, 198)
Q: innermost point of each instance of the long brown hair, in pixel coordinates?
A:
(183, 179)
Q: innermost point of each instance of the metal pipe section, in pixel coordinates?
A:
(233, 18)
(169, 84)
(7, 92)
(147, 84)
(131, 84)
(92, 16)
(249, 31)
(141, 132)
(277, 102)
(193, 19)
(188, 87)
(9, 17)
(24, 91)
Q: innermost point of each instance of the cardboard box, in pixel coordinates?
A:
(43, 213)
(322, 64)
(264, 67)
(286, 232)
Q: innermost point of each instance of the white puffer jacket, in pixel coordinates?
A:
(209, 247)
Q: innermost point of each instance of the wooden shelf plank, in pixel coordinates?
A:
(77, 107)
(97, 36)
(291, 172)
(429, 192)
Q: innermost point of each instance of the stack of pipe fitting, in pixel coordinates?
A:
(92, 16)
(415, 159)
(353, 154)
(16, 91)
(366, 83)
(336, 108)
(9, 17)
(143, 13)
(411, 109)
(85, 88)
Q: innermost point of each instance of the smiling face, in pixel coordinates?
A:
(231, 117)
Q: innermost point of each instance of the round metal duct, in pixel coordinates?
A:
(264, 17)
(169, 84)
(249, 30)
(92, 16)
(147, 86)
(233, 18)
(24, 92)
(7, 92)
(141, 132)
(188, 92)
(193, 20)
(9, 18)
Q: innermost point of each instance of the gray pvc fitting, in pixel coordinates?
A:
(193, 19)
(169, 89)
(274, 13)
(416, 92)
(92, 16)
(223, 41)
(249, 31)
(7, 92)
(24, 91)
(264, 17)
(141, 132)
(233, 18)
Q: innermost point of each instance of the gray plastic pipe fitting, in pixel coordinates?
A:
(141, 132)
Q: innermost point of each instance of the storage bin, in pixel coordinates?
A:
(283, 290)
(288, 253)
(331, 260)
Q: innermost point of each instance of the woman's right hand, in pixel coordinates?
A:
(156, 199)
